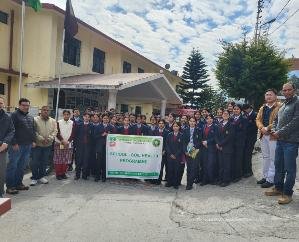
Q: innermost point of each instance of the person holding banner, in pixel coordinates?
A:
(139, 128)
(163, 132)
(100, 133)
(192, 143)
(126, 129)
(174, 149)
(83, 140)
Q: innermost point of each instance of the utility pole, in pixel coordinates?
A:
(260, 5)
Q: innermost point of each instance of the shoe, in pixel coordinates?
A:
(43, 180)
(77, 178)
(189, 187)
(248, 175)
(196, 181)
(284, 199)
(70, 168)
(236, 180)
(64, 176)
(84, 177)
(224, 184)
(33, 182)
(12, 191)
(203, 183)
(59, 178)
(273, 192)
(158, 183)
(167, 185)
(22, 187)
(213, 183)
(267, 185)
(176, 187)
(261, 181)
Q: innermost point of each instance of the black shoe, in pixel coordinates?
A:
(70, 168)
(12, 191)
(22, 187)
(84, 177)
(64, 176)
(196, 181)
(158, 183)
(189, 187)
(167, 185)
(213, 183)
(267, 185)
(176, 187)
(248, 175)
(224, 184)
(203, 183)
(59, 177)
(77, 177)
(261, 181)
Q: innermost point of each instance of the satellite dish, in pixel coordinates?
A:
(167, 66)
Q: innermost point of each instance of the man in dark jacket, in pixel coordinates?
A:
(7, 131)
(22, 142)
(286, 131)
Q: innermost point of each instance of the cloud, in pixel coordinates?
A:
(165, 31)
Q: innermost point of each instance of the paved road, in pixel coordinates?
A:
(124, 211)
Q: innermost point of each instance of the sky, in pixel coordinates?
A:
(165, 31)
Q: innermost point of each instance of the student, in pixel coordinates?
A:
(92, 169)
(143, 120)
(184, 122)
(230, 108)
(125, 129)
(113, 124)
(209, 134)
(100, 135)
(219, 118)
(240, 125)
(139, 128)
(163, 132)
(174, 149)
(132, 118)
(83, 140)
(63, 147)
(191, 136)
(153, 125)
(251, 137)
(170, 122)
(225, 146)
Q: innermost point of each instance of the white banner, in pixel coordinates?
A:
(132, 156)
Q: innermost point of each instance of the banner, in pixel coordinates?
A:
(132, 156)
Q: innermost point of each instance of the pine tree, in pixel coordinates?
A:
(194, 78)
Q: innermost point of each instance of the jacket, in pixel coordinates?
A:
(287, 121)
(197, 138)
(240, 126)
(45, 129)
(251, 130)
(174, 147)
(259, 117)
(225, 137)
(7, 129)
(24, 128)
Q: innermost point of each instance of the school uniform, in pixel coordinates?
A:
(251, 137)
(139, 129)
(162, 133)
(225, 140)
(240, 125)
(174, 146)
(152, 129)
(184, 126)
(83, 132)
(168, 126)
(125, 130)
(114, 129)
(209, 166)
(100, 139)
(191, 135)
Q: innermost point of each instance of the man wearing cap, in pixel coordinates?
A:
(286, 131)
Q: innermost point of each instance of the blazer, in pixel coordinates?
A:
(211, 136)
(164, 135)
(143, 129)
(240, 127)
(251, 131)
(99, 140)
(121, 130)
(197, 138)
(225, 137)
(174, 146)
(80, 133)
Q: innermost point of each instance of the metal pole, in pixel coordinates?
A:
(59, 74)
(21, 49)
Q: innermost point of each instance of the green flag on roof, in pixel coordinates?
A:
(35, 4)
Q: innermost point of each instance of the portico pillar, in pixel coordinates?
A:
(112, 98)
(163, 108)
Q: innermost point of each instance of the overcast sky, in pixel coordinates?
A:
(165, 31)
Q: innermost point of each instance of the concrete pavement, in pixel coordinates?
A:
(120, 210)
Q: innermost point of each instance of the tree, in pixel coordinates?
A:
(248, 69)
(212, 99)
(194, 78)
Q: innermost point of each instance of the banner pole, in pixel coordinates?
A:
(59, 74)
(21, 49)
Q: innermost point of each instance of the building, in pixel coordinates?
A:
(97, 70)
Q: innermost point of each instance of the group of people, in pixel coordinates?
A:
(216, 149)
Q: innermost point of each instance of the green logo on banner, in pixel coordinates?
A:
(156, 142)
(112, 139)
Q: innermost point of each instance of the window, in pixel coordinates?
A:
(127, 67)
(98, 61)
(137, 110)
(3, 17)
(124, 108)
(72, 48)
(140, 70)
(2, 89)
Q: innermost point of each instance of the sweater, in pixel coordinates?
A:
(45, 129)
